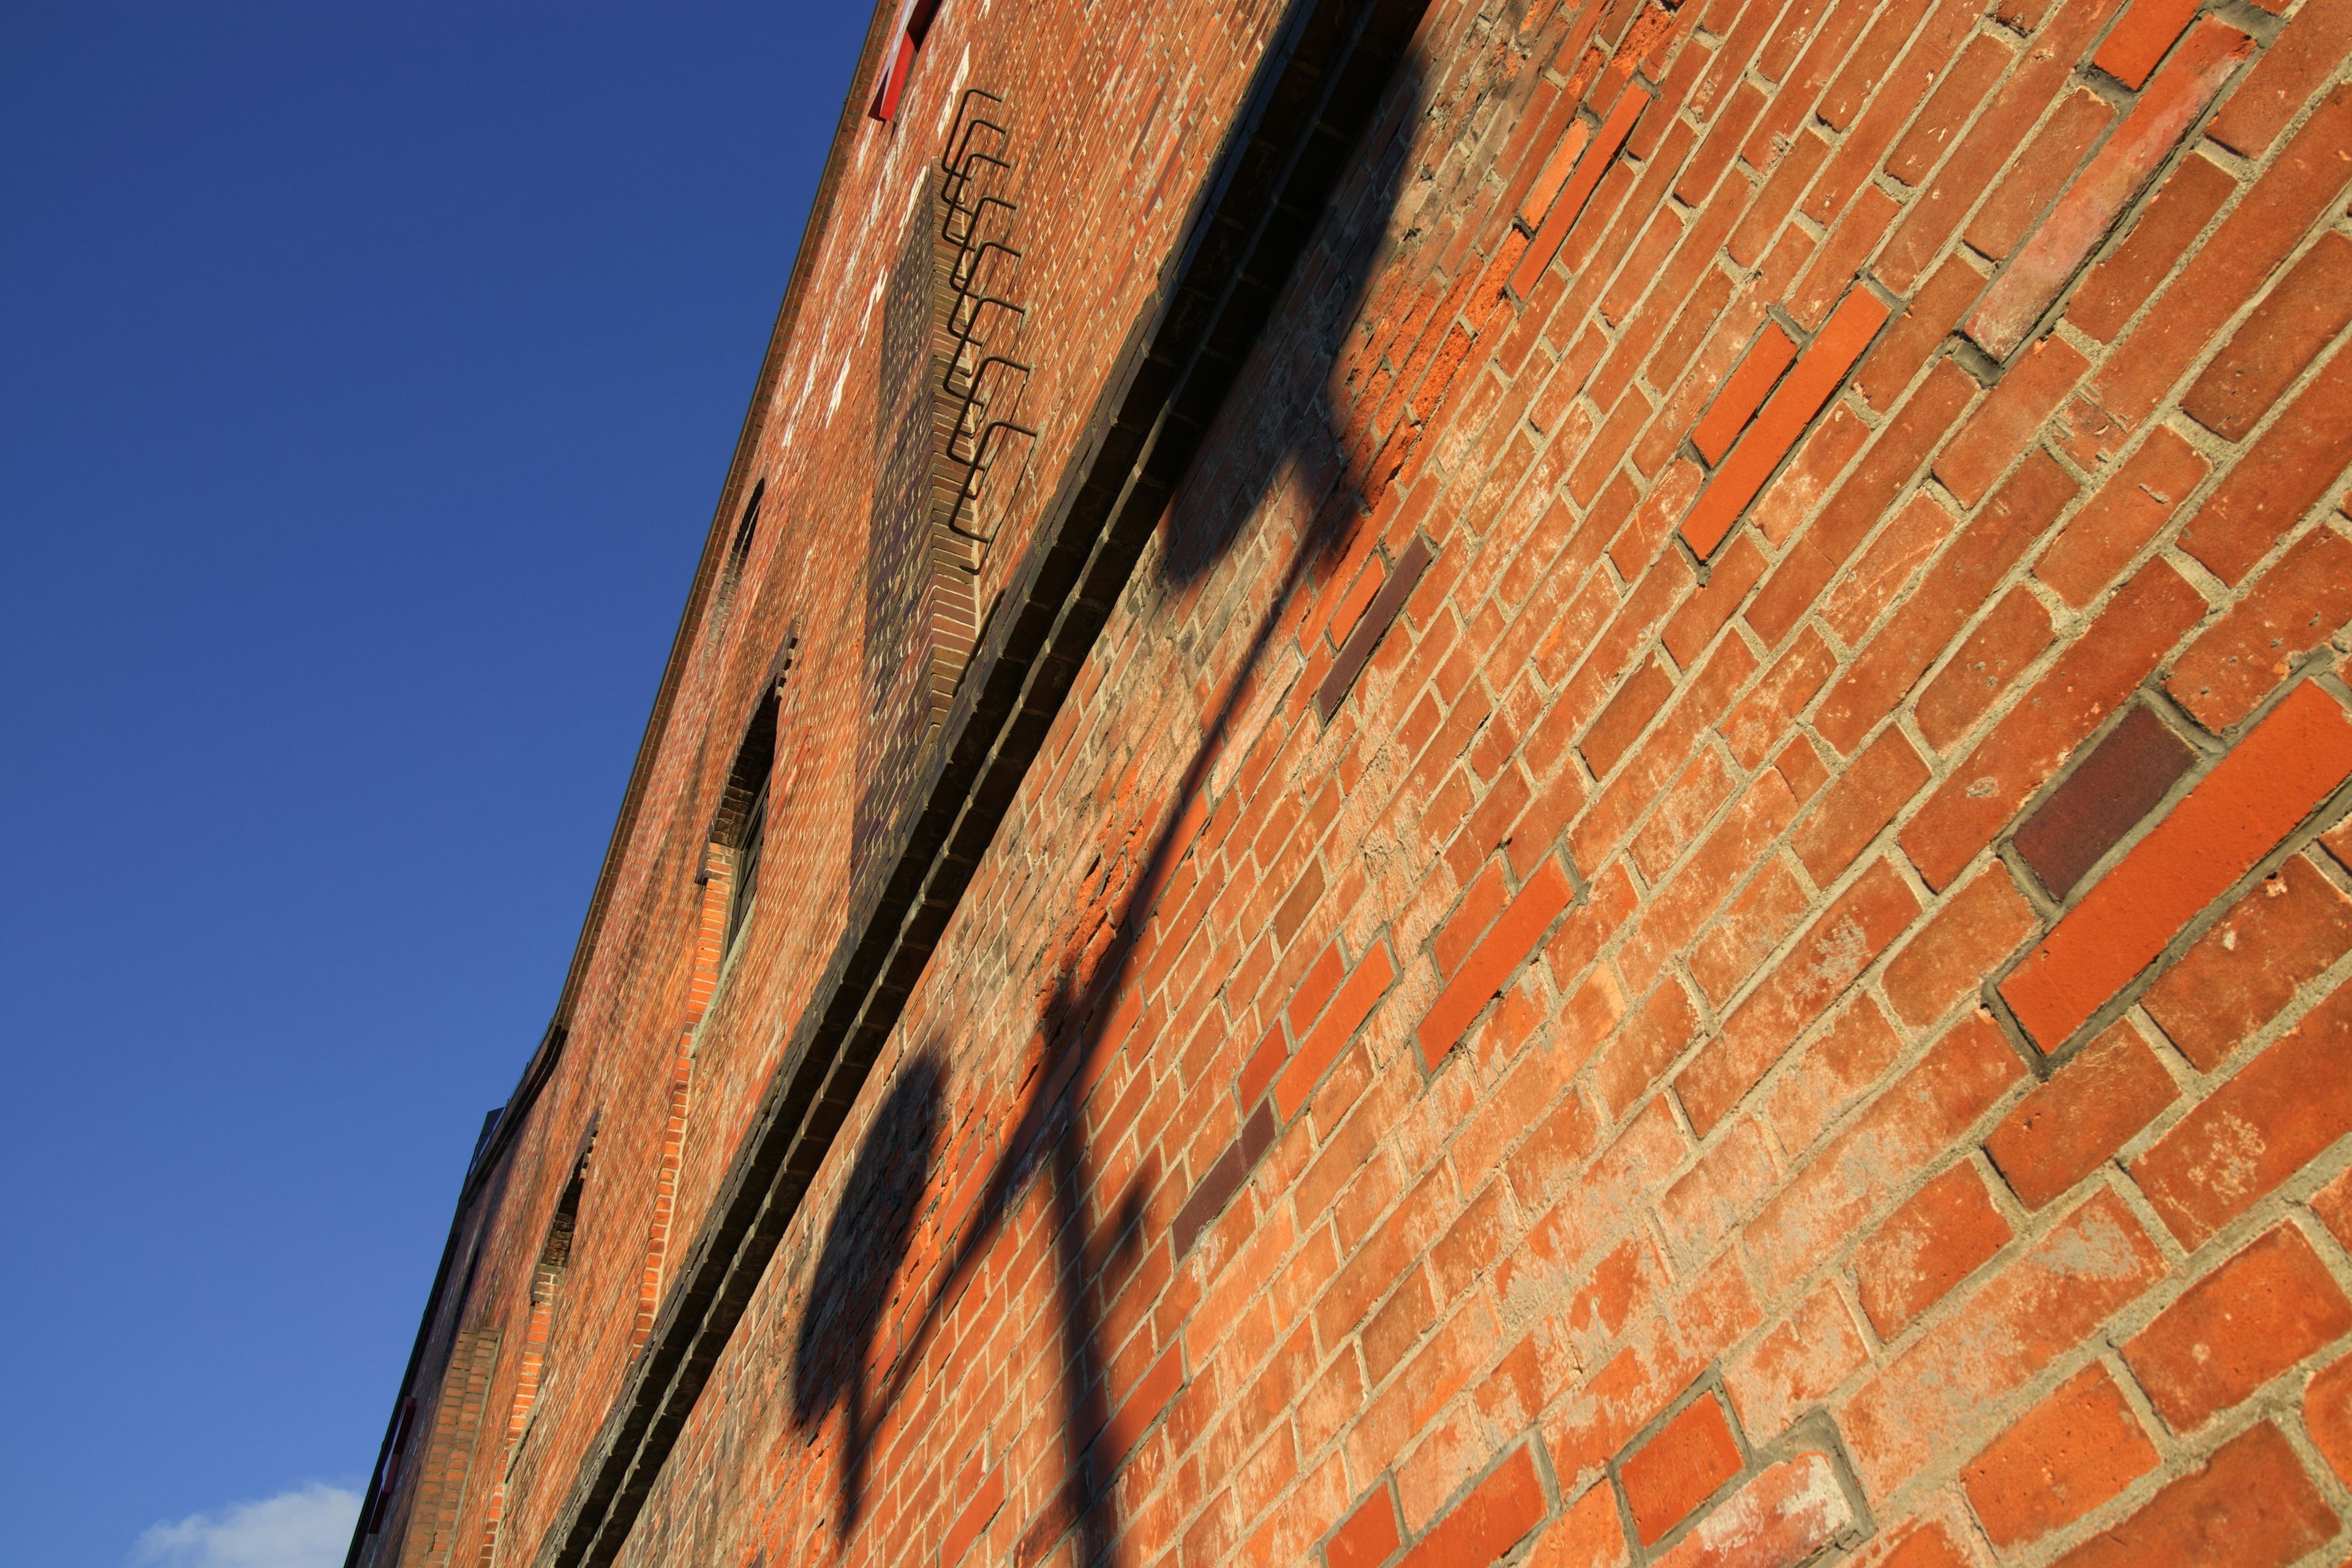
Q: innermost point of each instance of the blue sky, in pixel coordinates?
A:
(367, 377)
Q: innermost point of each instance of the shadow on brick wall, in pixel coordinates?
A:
(1297, 436)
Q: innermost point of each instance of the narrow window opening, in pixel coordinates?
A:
(739, 552)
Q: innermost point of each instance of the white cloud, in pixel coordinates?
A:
(306, 1528)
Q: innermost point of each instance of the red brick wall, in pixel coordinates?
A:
(1783, 989)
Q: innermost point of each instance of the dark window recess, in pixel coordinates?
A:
(388, 1487)
(738, 833)
(747, 866)
(739, 551)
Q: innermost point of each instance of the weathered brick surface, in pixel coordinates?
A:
(1690, 907)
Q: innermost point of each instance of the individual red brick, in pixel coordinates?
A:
(974, 1518)
(1933, 1242)
(1918, 331)
(1597, 160)
(2041, 171)
(1848, 247)
(2129, 275)
(2092, 1105)
(1743, 392)
(1960, 581)
(2333, 1206)
(1587, 1534)
(1644, 1046)
(2298, 63)
(1784, 1517)
(2118, 522)
(1796, 1365)
(1811, 472)
(1938, 128)
(2109, 792)
(2105, 662)
(1554, 173)
(2282, 1111)
(2067, 1456)
(2277, 938)
(1979, 927)
(2243, 1324)
(1753, 924)
(1826, 960)
(2272, 486)
(1680, 1467)
(1513, 935)
(1367, 1537)
(1859, 804)
(1755, 727)
(1833, 1071)
(1876, 579)
(2140, 39)
(2327, 1417)
(2301, 185)
(1483, 1526)
(2287, 330)
(2041, 1306)
(1801, 396)
(2005, 424)
(2140, 146)
(2297, 605)
(1628, 713)
(1321, 1047)
(1998, 651)
(2250, 800)
(2251, 1505)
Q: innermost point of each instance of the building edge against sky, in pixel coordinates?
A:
(1458, 780)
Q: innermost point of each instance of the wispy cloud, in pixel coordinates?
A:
(306, 1528)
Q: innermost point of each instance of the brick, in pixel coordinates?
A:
(2298, 63)
(1596, 161)
(1826, 960)
(1942, 117)
(2072, 1453)
(2272, 486)
(2004, 425)
(2141, 38)
(2043, 1303)
(1497, 1515)
(2286, 331)
(2004, 645)
(2277, 938)
(1766, 909)
(974, 1518)
(2109, 792)
(2090, 1108)
(2327, 1417)
(1350, 1005)
(1586, 1535)
(1680, 1467)
(2041, 171)
(1368, 1537)
(2114, 174)
(1918, 331)
(1796, 1365)
(2122, 517)
(1513, 936)
(2333, 1205)
(2295, 607)
(1901, 445)
(1833, 1071)
(2300, 187)
(1554, 173)
(1962, 579)
(1755, 727)
(2251, 1505)
(1801, 396)
(1782, 1518)
(1628, 713)
(1716, 600)
(2132, 273)
(1743, 392)
(1857, 807)
(1903, 1131)
(1979, 927)
(2234, 816)
(1644, 1046)
(2282, 1109)
(1941, 1236)
(2258, 1314)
